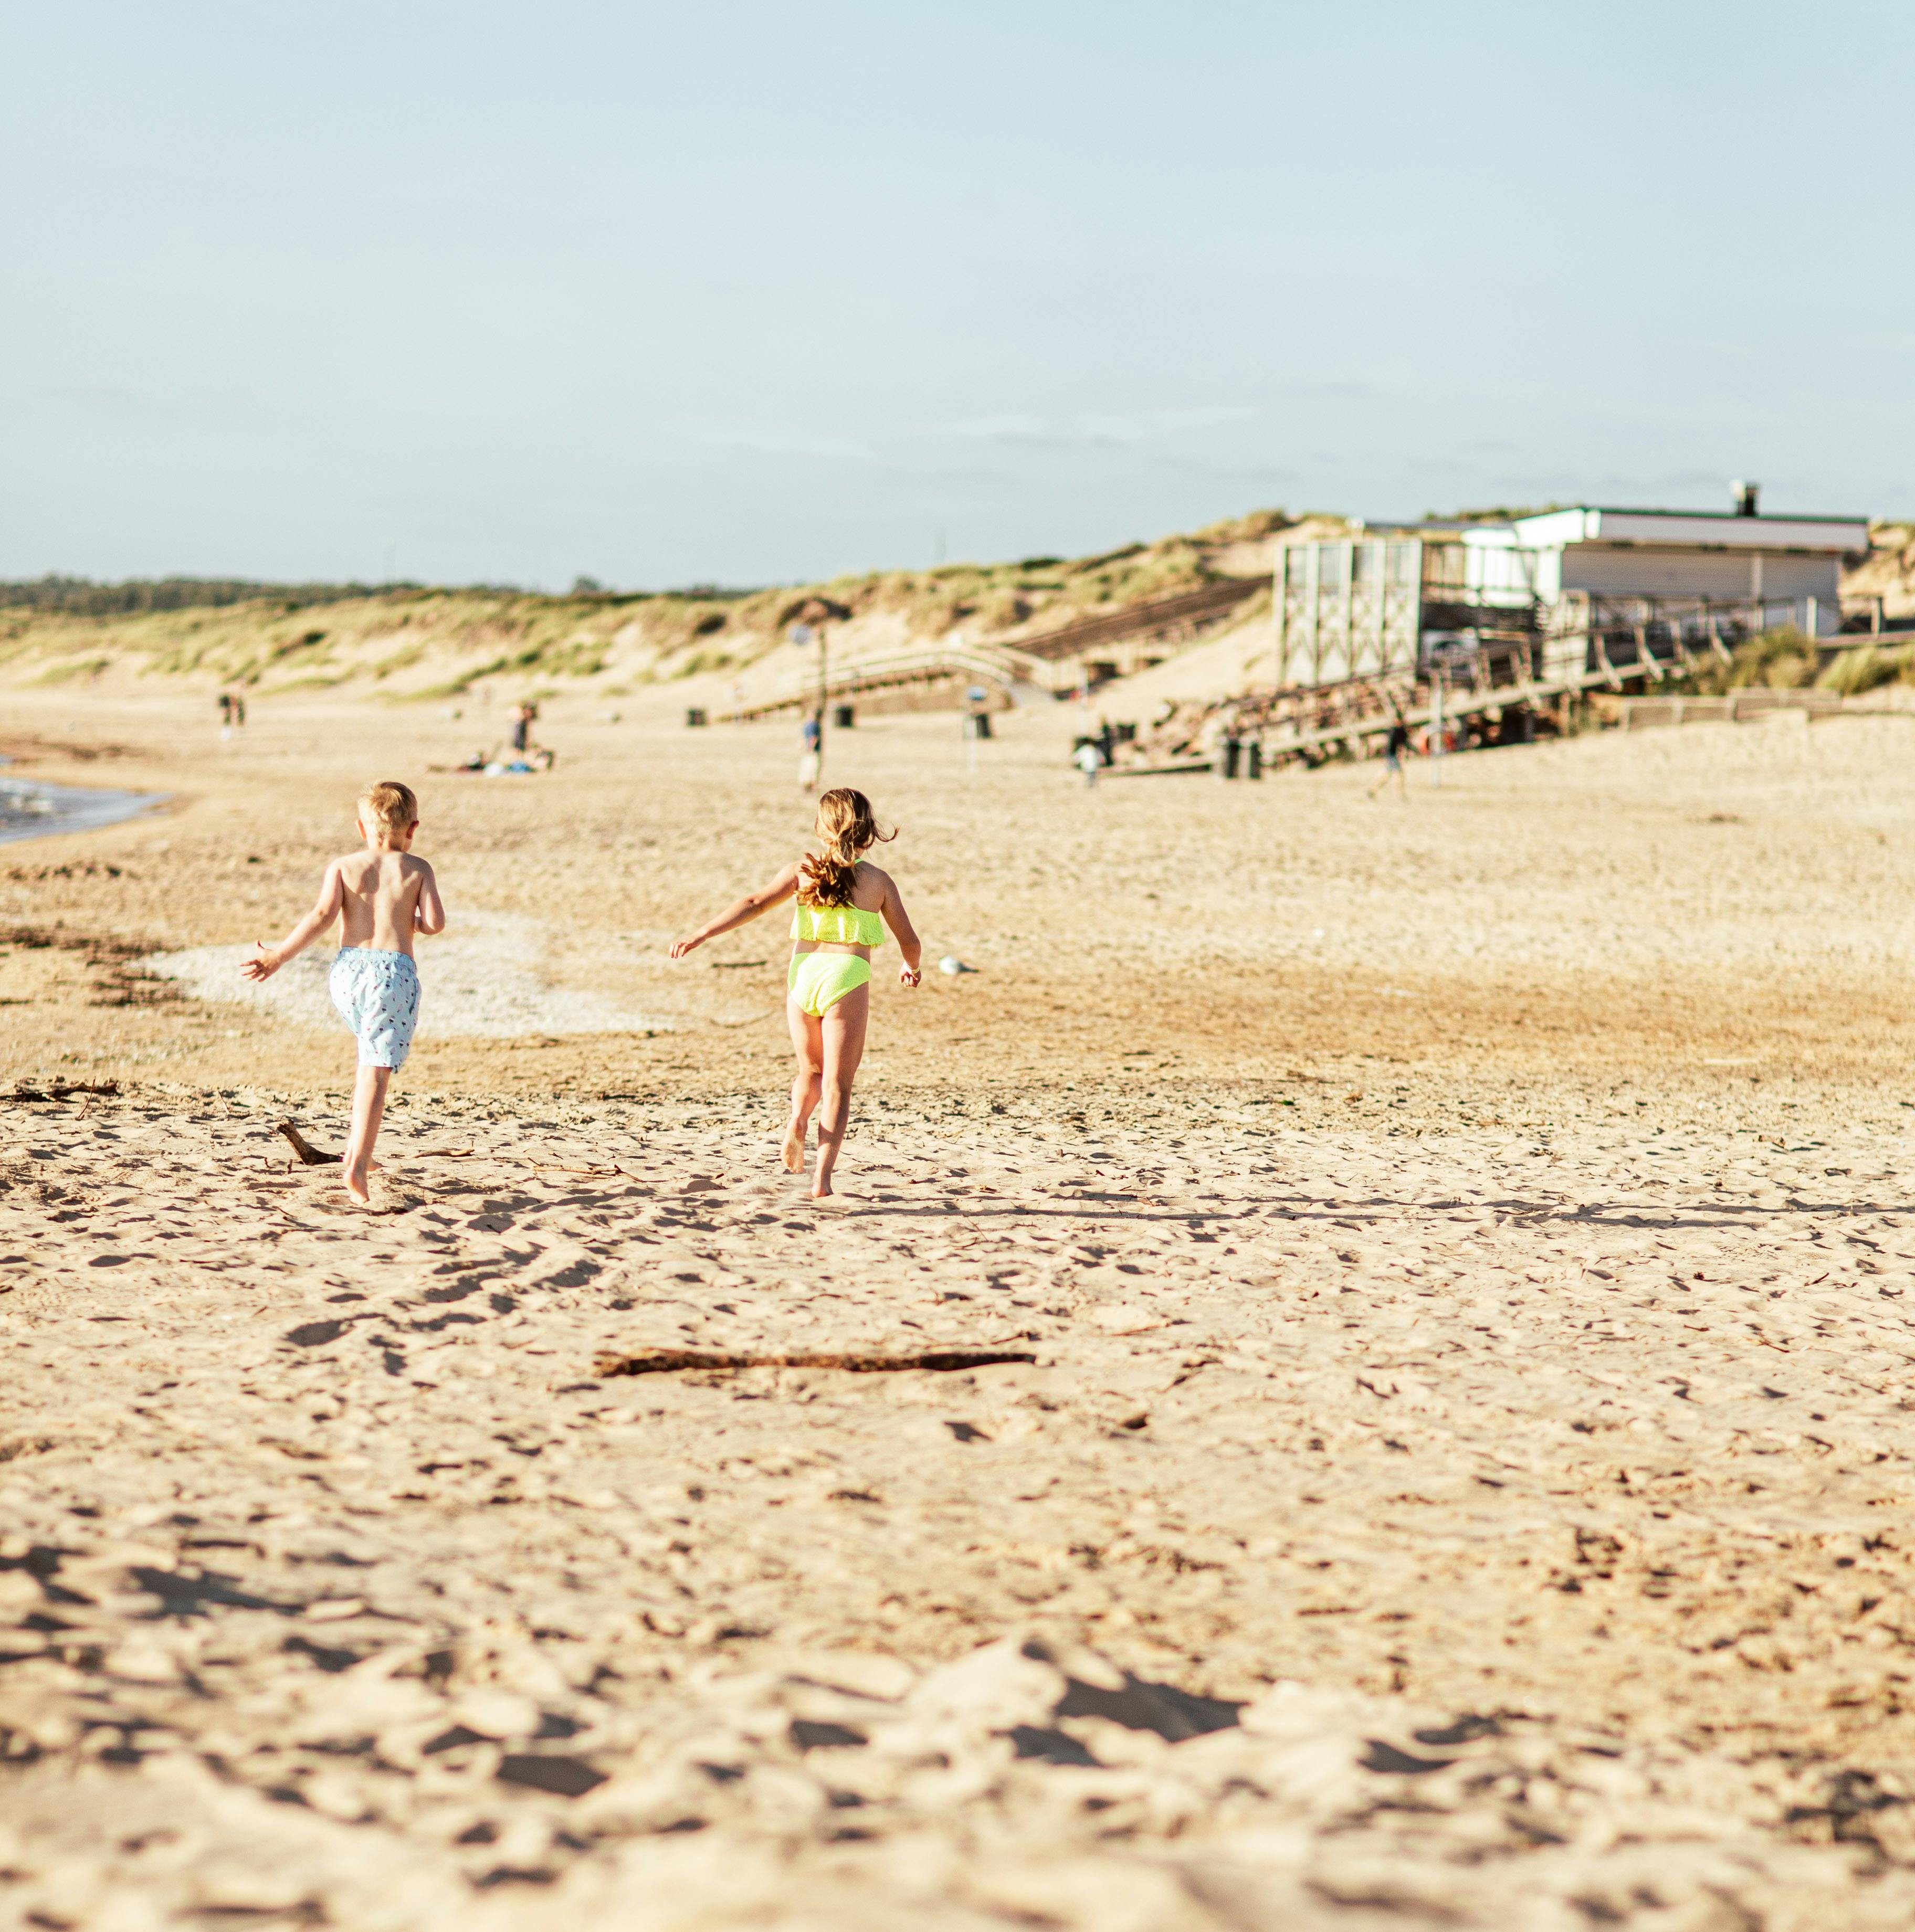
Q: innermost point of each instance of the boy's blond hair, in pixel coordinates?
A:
(391, 805)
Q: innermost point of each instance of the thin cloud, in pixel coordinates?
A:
(759, 443)
(1119, 428)
(121, 403)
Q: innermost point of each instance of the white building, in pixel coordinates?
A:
(1593, 584)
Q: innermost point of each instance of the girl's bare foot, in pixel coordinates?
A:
(793, 1153)
(355, 1178)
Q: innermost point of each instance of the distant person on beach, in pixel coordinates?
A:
(382, 896)
(522, 727)
(1393, 751)
(844, 904)
(1088, 758)
(811, 758)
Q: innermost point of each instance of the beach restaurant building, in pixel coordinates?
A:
(1561, 585)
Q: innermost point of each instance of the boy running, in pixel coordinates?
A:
(382, 896)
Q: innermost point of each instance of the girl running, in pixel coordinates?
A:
(844, 904)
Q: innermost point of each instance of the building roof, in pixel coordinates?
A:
(1691, 529)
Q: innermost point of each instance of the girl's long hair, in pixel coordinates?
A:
(845, 823)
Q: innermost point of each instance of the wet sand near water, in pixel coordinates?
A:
(1458, 1256)
(41, 810)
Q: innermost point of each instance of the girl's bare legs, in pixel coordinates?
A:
(808, 1043)
(843, 1028)
(368, 1110)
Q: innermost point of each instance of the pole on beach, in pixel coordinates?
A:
(1436, 727)
(801, 635)
(823, 661)
(812, 620)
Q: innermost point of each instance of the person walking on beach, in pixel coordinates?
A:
(382, 896)
(1088, 758)
(811, 758)
(1393, 751)
(844, 904)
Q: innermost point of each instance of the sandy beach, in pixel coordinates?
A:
(1441, 1271)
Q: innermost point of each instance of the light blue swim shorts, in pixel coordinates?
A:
(377, 996)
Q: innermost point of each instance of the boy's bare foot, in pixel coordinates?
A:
(355, 1184)
(792, 1152)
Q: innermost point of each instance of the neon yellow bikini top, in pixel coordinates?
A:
(837, 925)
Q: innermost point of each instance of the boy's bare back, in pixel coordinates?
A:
(379, 897)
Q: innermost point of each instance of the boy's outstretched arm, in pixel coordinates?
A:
(325, 910)
(743, 913)
(428, 909)
(905, 934)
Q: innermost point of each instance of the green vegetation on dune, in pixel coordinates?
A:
(84, 598)
(411, 642)
(1783, 659)
(1868, 668)
(1787, 659)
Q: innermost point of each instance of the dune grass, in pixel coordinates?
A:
(422, 644)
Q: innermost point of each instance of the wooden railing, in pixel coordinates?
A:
(1163, 614)
(985, 665)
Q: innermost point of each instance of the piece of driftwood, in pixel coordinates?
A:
(309, 1155)
(668, 1361)
(61, 1089)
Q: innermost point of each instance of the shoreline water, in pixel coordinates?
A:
(31, 810)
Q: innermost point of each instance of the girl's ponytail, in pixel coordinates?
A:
(848, 828)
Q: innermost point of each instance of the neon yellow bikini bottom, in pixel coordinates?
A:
(817, 981)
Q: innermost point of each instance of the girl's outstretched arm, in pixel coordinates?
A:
(905, 934)
(325, 910)
(743, 913)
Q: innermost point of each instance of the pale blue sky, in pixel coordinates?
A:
(750, 292)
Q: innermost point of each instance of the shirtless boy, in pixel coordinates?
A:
(382, 896)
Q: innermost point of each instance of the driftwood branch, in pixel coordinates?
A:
(309, 1155)
(667, 1361)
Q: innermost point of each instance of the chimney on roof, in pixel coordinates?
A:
(1745, 495)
